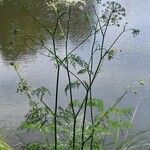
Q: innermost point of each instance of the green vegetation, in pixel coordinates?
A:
(4, 145)
(85, 124)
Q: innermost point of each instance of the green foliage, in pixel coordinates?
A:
(97, 103)
(40, 92)
(36, 117)
(22, 86)
(37, 146)
(111, 54)
(82, 71)
(73, 85)
(74, 60)
(4, 145)
(122, 111)
(39, 119)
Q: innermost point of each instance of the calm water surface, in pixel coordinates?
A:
(129, 66)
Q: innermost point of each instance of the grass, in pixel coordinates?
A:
(4, 145)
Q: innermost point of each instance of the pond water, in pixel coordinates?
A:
(129, 66)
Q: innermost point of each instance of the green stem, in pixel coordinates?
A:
(69, 79)
(117, 135)
(56, 106)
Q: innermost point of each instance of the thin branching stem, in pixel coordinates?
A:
(83, 122)
(95, 74)
(57, 83)
(69, 79)
(117, 134)
(67, 63)
(99, 21)
(90, 90)
(133, 116)
(90, 79)
(56, 106)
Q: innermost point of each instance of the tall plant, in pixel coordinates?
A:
(70, 126)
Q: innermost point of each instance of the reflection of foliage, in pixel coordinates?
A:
(20, 44)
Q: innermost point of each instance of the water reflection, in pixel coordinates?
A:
(12, 16)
